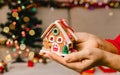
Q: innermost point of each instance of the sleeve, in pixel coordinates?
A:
(115, 42)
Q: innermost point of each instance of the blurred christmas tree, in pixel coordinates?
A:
(22, 28)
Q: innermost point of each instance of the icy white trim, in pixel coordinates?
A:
(64, 33)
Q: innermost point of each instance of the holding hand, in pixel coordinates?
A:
(79, 61)
(92, 51)
(87, 40)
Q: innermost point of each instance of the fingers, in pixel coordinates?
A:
(77, 66)
(73, 61)
(75, 57)
(57, 58)
(53, 56)
(71, 57)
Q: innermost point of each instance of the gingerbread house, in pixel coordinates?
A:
(59, 38)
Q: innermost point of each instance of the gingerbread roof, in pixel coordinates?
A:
(60, 24)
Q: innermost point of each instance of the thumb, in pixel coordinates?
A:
(77, 56)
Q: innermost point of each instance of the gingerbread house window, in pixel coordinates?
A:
(70, 45)
(59, 39)
(55, 31)
(51, 38)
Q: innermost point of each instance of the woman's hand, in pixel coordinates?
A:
(79, 61)
(87, 40)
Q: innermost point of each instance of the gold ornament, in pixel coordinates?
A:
(35, 60)
(6, 29)
(32, 32)
(12, 26)
(22, 46)
(116, 4)
(2, 40)
(8, 57)
(26, 19)
(15, 14)
(111, 4)
(31, 55)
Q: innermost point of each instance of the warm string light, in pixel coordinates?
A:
(90, 4)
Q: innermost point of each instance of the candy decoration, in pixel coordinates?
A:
(55, 31)
(70, 36)
(65, 50)
(63, 22)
